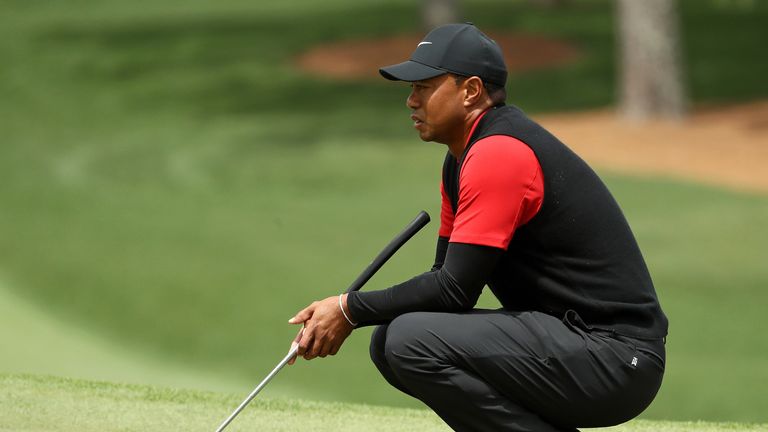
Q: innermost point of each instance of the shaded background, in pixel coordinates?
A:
(173, 187)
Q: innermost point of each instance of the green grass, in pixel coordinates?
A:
(33, 340)
(36, 403)
(173, 189)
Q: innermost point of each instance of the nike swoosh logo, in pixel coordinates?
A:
(423, 43)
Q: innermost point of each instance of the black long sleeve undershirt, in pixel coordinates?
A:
(440, 251)
(452, 286)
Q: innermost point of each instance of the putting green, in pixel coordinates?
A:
(37, 403)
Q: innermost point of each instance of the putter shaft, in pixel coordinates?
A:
(410, 230)
(258, 388)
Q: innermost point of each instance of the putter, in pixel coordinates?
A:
(409, 231)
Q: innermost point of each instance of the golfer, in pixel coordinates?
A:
(579, 341)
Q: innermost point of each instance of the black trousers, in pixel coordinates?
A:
(495, 370)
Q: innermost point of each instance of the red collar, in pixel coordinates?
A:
(472, 131)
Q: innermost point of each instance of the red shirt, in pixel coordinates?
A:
(500, 188)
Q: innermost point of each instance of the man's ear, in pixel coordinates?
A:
(473, 91)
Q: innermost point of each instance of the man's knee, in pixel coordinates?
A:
(410, 341)
(376, 349)
(379, 357)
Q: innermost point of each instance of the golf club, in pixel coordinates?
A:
(412, 228)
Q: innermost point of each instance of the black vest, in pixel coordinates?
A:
(578, 253)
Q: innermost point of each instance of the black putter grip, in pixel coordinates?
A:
(418, 223)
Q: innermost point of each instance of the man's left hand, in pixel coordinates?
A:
(325, 328)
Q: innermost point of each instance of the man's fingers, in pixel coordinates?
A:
(303, 315)
(316, 347)
(306, 341)
(294, 344)
(293, 359)
(311, 351)
(335, 349)
(326, 349)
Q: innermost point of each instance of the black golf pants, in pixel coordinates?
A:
(495, 370)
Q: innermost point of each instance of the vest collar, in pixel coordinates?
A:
(470, 137)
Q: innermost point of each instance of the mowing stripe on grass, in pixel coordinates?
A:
(36, 342)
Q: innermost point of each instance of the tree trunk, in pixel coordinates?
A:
(435, 13)
(650, 63)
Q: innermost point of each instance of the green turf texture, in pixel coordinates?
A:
(173, 190)
(33, 340)
(43, 403)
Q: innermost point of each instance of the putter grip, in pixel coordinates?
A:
(416, 224)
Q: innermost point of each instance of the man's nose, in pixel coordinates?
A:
(411, 102)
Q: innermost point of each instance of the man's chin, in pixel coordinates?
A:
(426, 137)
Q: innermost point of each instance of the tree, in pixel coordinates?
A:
(651, 80)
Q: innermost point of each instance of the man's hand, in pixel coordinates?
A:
(325, 328)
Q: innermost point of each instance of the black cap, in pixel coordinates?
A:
(461, 49)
